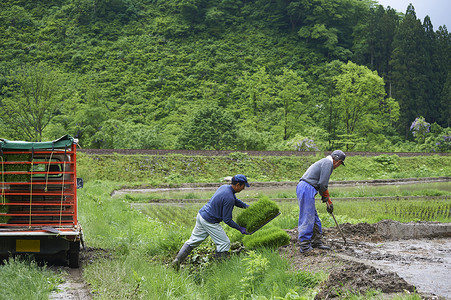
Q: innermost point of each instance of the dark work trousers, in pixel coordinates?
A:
(308, 216)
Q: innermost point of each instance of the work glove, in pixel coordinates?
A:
(243, 230)
(330, 206)
(325, 196)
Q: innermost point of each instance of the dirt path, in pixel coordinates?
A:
(73, 288)
(388, 256)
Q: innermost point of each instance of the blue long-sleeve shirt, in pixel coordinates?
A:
(221, 205)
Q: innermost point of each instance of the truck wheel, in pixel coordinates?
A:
(74, 254)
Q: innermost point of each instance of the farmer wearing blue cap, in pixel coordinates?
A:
(218, 209)
(315, 180)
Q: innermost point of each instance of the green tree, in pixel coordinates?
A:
(329, 24)
(210, 128)
(258, 97)
(407, 75)
(444, 46)
(435, 71)
(361, 103)
(31, 100)
(323, 111)
(116, 134)
(291, 91)
(373, 44)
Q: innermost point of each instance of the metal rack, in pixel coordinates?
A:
(38, 202)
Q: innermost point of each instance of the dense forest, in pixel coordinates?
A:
(225, 74)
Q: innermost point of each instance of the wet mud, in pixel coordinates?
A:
(74, 287)
(391, 257)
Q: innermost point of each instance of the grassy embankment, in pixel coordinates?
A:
(141, 244)
(176, 169)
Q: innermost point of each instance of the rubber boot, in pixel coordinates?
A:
(183, 253)
(221, 255)
(306, 246)
(316, 239)
(320, 245)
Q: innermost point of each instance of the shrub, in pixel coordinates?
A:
(271, 237)
(257, 214)
(388, 162)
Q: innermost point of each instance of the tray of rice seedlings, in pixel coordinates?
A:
(19, 167)
(3, 210)
(268, 237)
(258, 214)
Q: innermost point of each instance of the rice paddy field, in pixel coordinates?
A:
(405, 202)
(131, 237)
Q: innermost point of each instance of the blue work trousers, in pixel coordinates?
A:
(308, 216)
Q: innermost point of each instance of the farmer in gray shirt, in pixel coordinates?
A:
(219, 208)
(315, 180)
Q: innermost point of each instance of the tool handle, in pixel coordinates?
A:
(341, 232)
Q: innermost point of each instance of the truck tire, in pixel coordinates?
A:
(74, 254)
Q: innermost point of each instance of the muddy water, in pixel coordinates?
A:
(419, 252)
(424, 263)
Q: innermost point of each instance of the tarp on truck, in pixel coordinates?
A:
(63, 142)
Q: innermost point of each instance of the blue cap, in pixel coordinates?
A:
(339, 155)
(240, 178)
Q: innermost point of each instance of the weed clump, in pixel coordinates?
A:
(258, 214)
(271, 237)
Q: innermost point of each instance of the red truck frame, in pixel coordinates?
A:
(38, 200)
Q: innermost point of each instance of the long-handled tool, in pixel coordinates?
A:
(342, 235)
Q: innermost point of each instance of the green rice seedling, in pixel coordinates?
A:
(270, 237)
(257, 214)
(4, 209)
(16, 168)
(373, 211)
(289, 216)
(286, 195)
(175, 214)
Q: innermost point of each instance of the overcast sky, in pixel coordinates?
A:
(438, 10)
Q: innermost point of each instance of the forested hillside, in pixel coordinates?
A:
(225, 74)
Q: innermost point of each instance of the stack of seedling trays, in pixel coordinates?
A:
(10, 165)
(255, 217)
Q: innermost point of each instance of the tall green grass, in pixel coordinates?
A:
(23, 278)
(261, 273)
(135, 276)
